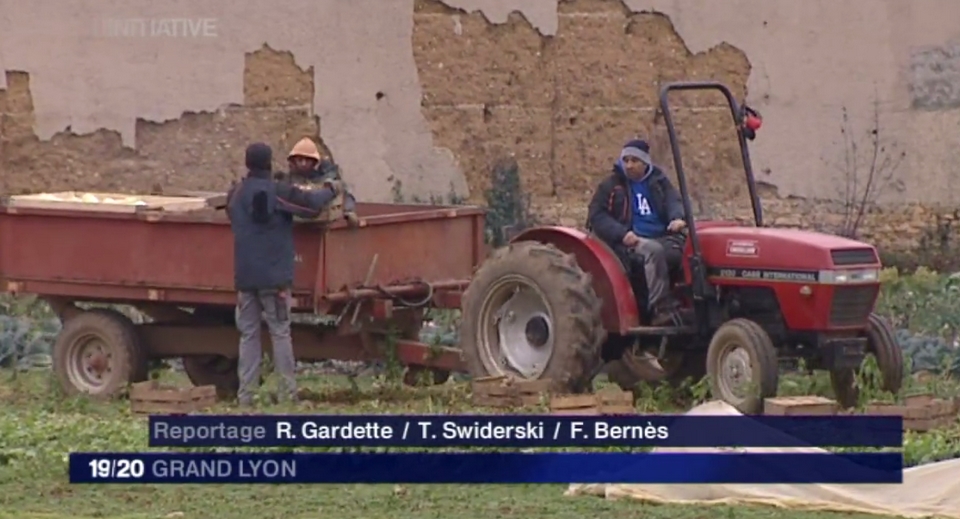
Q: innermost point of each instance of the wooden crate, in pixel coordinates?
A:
(607, 402)
(921, 412)
(507, 392)
(806, 405)
(151, 397)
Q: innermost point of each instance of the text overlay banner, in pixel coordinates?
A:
(651, 468)
(524, 431)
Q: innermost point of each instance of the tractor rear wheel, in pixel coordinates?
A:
(531, 312)
(742, 364)
(214, 370)
(882, 344)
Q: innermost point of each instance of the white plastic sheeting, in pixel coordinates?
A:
(927, 490)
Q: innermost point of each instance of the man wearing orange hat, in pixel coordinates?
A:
(308, 168)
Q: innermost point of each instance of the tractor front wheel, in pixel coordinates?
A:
(531, 312)
(882, 344)
(742, 364)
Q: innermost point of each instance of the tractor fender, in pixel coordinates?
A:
(608, 275)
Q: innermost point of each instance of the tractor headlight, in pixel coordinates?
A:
(839, 277)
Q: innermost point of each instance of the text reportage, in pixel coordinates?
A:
(414, 430)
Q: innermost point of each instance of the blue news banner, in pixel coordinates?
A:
(503, 467)
(522, 431)
(464, 468)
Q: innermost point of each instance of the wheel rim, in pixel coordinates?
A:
(735, 376)
(516, 331)
(91, 363)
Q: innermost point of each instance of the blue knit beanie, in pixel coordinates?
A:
(638, 149)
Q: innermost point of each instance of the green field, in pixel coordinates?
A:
(39, 427)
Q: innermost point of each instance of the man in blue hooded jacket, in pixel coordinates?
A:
(637, 211)
(261, 212)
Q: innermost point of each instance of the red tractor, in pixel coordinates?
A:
(557, 303)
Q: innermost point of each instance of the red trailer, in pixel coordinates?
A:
(172, 260)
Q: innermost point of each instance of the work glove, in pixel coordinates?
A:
(352, 219)
(333, 185)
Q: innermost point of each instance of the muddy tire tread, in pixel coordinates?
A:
(142, 362)
(882, 342)
(578, 329)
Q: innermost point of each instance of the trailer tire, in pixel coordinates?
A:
(142, 363)
(559, 333)
(98, 352)
(882, 343)
(758, 354)
(214, 370)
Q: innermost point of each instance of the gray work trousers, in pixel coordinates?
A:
(657, 256)
(272, 306)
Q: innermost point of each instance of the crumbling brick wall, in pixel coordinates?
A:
(202, 151)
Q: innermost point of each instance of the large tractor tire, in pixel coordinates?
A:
(214, 370)
(98, 353)
(531, 312)
(742, 365)
(882, 344)
(643, 367)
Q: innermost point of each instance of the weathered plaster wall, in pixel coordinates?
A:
(430, 93)
(151, 106)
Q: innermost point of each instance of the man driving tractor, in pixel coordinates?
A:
(639, 213)
(308, 168)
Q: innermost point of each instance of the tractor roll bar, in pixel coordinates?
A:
(738, 116)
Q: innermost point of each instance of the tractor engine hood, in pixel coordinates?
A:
(787, 255)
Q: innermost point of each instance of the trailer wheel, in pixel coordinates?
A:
(142, 363)
(882, 343)
(98, 353)
(531, 312)
(214, 370)
(742, 364)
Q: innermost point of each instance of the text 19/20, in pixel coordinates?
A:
(117, 468)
